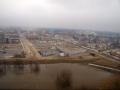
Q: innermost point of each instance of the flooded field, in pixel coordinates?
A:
(47, 76)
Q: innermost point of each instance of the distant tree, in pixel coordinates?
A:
(22, 55)
(92, 54)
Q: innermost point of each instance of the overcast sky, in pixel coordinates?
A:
(78, 14)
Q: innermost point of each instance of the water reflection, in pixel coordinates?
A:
(64, 80)
(62, 76)
(35, 68)
(2, 70)
(18, 69)
(8, 67)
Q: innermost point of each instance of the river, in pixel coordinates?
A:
(43, 76)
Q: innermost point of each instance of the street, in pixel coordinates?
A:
(28, 48)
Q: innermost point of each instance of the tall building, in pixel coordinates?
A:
(2, 37)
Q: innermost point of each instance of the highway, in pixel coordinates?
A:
(29, 49)
(105, 68)
(100, 54)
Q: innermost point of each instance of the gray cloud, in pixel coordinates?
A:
(78, 14)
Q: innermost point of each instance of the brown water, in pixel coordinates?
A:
(43, 76)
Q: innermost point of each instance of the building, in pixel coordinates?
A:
(49, 52)
(12, 38)
(2, 37)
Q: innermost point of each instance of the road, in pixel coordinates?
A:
(105, 68)
(29, 48)
(100, 54)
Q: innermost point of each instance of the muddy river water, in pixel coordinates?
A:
(43, 76)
